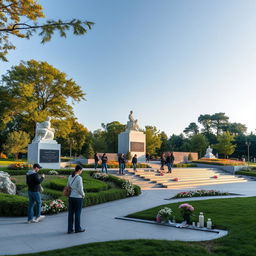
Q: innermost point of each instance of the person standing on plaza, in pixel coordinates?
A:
(121, 161)
(134, 162)
(104, 160)
(162, 160)
(75, 182)
(96, 160)
(169, 161)
(34, 194)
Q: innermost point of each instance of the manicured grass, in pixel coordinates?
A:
(235, 214)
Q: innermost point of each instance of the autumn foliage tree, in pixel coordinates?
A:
(19, 18)
(34, 90)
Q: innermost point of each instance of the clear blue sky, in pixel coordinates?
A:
(167, 60)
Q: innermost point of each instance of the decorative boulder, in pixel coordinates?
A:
(6, 185)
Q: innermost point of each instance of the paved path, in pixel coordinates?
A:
(17, 237)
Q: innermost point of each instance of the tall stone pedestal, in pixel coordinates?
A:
(134, 142)
(47, 154)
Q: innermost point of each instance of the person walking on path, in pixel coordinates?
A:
(75, 200)
(134, 162)
(96, 160)
(163, 161)
(34, 194)
(104, 160)
(121, 161)
(147, 157)
(169, 161)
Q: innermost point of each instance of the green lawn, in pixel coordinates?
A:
(237, 215)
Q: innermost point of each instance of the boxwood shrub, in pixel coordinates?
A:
(12, 205)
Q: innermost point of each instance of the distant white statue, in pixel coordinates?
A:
(209, 153)
(132, 124)
(44, 131)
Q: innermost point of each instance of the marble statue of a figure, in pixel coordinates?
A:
(132, 124)
(209, 153)
(44, 131)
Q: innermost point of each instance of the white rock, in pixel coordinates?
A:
(6, 185)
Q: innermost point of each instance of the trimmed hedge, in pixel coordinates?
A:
(12, 205)
(42, 171)
(90, 185)
(247, 173)
(104, 196)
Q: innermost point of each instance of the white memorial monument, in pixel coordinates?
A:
(209, 153)
(132, 140)
(44, 149)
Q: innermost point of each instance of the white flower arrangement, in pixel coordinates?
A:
(53, 172)
(128, 186)
(165, 213)
(54, 206)
(100, 176)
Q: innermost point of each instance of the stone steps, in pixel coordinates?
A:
(194, 185)
(187, 177)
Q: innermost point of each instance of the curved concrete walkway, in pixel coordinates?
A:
(17, 237)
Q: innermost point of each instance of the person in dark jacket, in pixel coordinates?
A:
(96, 161)
(162, 160)
(104, 160)
(121, 161)
(169, 161)
(134, 162)
(147, 157)
(34, 187)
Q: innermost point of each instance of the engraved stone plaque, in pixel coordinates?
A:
(49, 156)
(137, 146)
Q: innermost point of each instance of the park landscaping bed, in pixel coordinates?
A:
(217, 161)
(97, 190)
(237, 215)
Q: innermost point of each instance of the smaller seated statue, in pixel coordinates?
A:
(132, 124)
(44, 131)
(209, 153)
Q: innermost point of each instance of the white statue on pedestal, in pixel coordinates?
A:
(132, 124)
(209, 153)
(44, 132)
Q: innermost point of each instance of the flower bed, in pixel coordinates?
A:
(216, 161)
(198, 193)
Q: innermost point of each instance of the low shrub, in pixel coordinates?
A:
(12, 205)
(104, 196)
(247, 173)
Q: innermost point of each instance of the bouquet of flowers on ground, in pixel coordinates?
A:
(54, 206)
(186, 211)
(165, 214)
